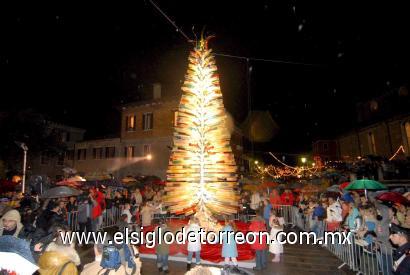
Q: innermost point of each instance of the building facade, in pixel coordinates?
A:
(52, 165)
(382, 138)
(324, 150)
(145, 142)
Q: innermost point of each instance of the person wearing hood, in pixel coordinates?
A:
(10, 224)
(194, 242)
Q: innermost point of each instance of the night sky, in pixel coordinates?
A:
(76, 64)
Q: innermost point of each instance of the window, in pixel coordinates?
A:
(130, 123)
(175, 119)
(44, 158)
(59, 177)
(70, 154)
(372, 144)
(67, 136)
(98, 153)
(81, 154)
(325, 147)
(147, 149)
(147, 121)
(129, 151)
(60, 159)
(109, 152)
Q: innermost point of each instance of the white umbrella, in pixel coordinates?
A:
(14, 262)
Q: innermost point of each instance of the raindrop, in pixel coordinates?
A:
(300, 27)
(339, 55)
(57, 17)
(294, 9)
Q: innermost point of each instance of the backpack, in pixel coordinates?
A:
(113, 258)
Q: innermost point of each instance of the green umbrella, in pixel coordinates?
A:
(365, 184)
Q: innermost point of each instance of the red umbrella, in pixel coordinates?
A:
(344, 185)
(394, 197)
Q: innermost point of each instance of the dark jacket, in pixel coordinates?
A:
(401, 266)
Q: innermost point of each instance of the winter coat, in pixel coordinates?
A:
(274, 198)
(228, 249)
(194, 245)
(334, 212)
(255, 201)
(53, 218)
(287, 198)
(84, 212)
(13, 215)
(256, 226)
(68, 251)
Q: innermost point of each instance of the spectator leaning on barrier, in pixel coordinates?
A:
(318, 215)
(353, 220)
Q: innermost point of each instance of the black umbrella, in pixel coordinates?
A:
(60, 192)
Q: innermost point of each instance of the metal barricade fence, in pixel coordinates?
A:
(361, 257)
(72, 220)
(111, 216)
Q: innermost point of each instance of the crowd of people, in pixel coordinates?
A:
(40, 222)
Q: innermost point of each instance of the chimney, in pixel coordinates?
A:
(156, 91)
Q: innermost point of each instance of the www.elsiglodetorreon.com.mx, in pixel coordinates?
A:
(151, 238)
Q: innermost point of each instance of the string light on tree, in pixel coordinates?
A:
(201, 176)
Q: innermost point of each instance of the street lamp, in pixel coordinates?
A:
(23, 146)
(303, 160)
(256, 162)
(149, 157)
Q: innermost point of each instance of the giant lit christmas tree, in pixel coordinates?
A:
(201, 176)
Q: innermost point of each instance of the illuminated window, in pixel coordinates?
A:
(129, 151)
(147, 149)
(130, 123)
(325, 147)
(372, 144)
(147, 121)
